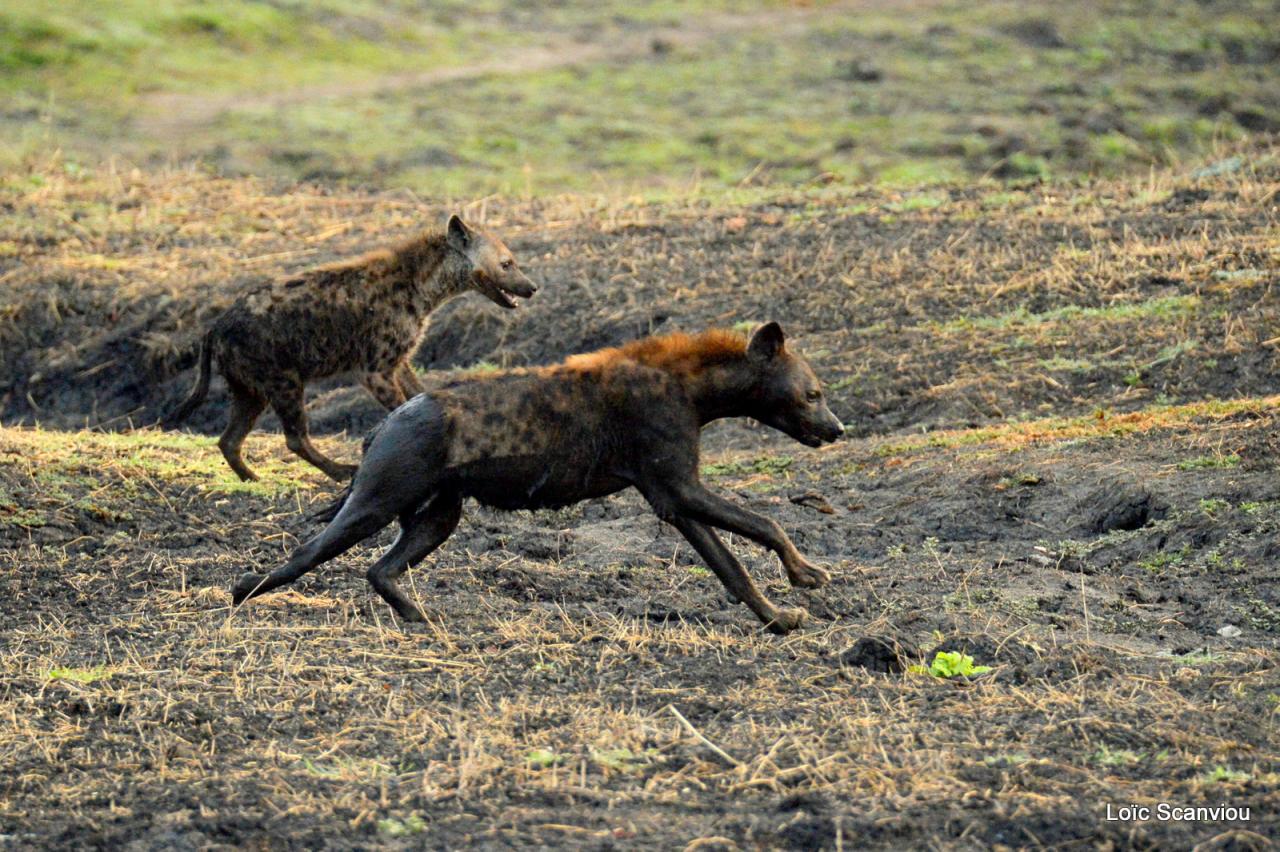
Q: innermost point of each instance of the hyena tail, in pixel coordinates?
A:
(201, 390)
(325, 514)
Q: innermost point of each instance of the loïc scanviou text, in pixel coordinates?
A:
(1166, 812)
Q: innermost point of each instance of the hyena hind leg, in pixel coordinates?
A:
(385, 389)
(421, 532)
(352, 525)
(246, 407)
(408, 380)
(289, 407)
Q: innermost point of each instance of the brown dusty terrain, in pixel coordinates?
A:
(1063, 401)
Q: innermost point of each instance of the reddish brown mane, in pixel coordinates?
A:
(674, 353)
(423, 245)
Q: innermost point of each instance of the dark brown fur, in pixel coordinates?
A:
(552, 436)
(364, 316)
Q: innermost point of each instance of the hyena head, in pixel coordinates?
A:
(786, 393)
(492, 271)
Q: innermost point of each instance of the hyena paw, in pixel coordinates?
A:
(787, 620)
(411, 615)
(244, 587)
(343, 472)
(806, 575)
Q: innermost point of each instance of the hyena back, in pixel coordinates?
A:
(365, 316)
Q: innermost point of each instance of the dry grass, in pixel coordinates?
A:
(1073, 350)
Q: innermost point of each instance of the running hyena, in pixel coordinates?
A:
(364, 316)
(552, 436)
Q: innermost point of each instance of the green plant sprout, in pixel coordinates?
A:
(948, 664)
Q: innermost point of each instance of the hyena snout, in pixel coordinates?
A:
(520, 285)
(500, 288)
(828, 427)
(813, 427)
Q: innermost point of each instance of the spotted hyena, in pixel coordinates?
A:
(364, 316)
(552, 436)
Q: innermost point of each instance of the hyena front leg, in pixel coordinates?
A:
(288, 402)
(385, 389)
(735, 578)
(408, 380)
(696, 501)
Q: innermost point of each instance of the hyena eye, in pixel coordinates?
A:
(813, 395)
(507, 264)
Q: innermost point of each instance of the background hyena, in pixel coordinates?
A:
(365, 316)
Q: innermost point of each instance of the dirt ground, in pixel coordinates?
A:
(1063, 411)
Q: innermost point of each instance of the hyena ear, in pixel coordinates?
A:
(458, 234)
(767, 342)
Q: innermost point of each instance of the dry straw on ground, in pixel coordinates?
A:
(582, 681)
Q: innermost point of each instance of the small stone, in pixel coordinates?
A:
(1229, 631)
(860, 71)
(813, 500)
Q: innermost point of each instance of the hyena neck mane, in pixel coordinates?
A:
(713, 367)
(419, 273)
(430, 269)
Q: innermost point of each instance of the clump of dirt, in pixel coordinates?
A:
(986, 650)
(884, 654)
(1120, 505)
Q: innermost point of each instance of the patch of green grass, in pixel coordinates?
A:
(542, 758)
(766, 465)
(1158, 562)
(1015, 434)
(1116, 757)
(1224, 774)
(1017, 479)
(14, 514)
(1196, 658)
(919, 173)
(964, 600)
(1259, 614)
(1213, 505)
(73, 478)
(623, 759)
(1209, 462)
(1022, 164)
(80, 675)
(1167, 308)
(918, 202)
(737, 111)
(411, 825)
